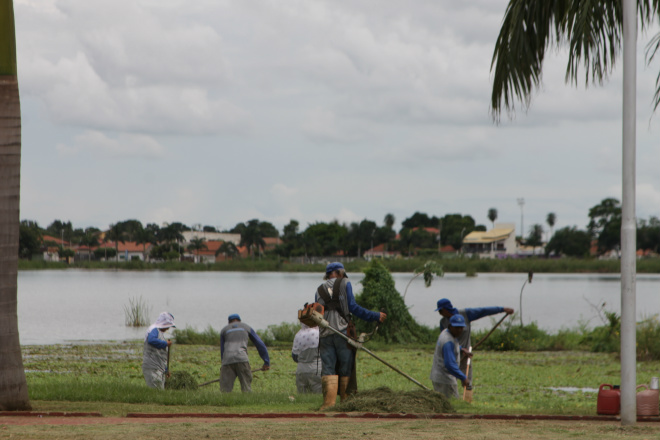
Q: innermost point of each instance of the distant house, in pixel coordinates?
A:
(211, 236)
(129, 250)
(272, 243)
(380, 252)
(50, 249)
(499, 241)
(206, 255)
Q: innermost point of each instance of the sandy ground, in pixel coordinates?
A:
(322, 428)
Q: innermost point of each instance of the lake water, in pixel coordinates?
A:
(78, 305)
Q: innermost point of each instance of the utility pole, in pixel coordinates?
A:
(521, 203)
(628, 224)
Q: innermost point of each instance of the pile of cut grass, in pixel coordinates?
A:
(181, 380)
(384, 400)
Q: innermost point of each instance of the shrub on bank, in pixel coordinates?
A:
(648, 339)
(379, 292)
(279, 334)
(190, 336)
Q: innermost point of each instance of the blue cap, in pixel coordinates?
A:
(444, 303)
(233, 316)
(333, 267)
(457, 321)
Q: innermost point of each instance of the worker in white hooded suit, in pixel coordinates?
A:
(305, 353)
(156, 347)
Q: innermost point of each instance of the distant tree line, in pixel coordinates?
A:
(419, 234)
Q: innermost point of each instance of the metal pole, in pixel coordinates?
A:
(628, 223)
(521, 203)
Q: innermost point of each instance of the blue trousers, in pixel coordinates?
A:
(334, 350)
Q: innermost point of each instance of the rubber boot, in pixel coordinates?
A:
(330, 384)
(343, 385)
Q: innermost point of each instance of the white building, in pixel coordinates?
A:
(499, 241)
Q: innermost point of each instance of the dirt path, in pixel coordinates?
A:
(322, 428)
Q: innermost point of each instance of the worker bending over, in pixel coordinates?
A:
(445, 371)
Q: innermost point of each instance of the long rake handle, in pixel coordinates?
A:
(357, 345)
(467, 375)
(490, 332)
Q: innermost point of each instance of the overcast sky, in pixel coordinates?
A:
(217, 112)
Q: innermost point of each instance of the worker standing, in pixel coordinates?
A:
(156, 348)
(336, 295)
(306, 354)
(233, 353)
(447, 310)
(445, 370)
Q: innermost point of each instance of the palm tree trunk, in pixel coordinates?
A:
(13, 386)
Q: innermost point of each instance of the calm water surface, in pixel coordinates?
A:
(78, 305)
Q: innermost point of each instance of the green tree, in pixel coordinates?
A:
(172, 233)
(116, 234)
(455, 227)
(324, 239)
(90, 239)
(605, 224)
(197, 244)
(29, 239)
(252, 237)
(535, 237)
(551, 220)
(66, 253)
(228, 249)
(13, 386)
(132, 229)
(61, 230)
(492, 216)
(420, 220)
(569, 241)
(145, 236)
(268, 230)
(362, 235)
(388, 233)
(648, 234)
(591, 29)
(292, 242)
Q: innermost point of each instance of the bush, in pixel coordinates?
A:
(648, 339)
(282, 333)
(379, 292)
(190, 336)
(607, 338)
(514, 337)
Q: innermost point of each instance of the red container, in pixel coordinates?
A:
(609, 400)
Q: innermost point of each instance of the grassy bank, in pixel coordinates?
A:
(451, 265)
(109, 375)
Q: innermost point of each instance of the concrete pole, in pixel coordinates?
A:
(628, 221)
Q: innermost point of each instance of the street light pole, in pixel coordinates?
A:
(521, 203)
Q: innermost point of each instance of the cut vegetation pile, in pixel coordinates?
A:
(181, 380)
(387, 401)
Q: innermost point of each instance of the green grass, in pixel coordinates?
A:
(110, 376)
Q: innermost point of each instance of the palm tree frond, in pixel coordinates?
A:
(528, 28)
(595, 29)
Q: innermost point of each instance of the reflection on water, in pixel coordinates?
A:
(66, 305)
